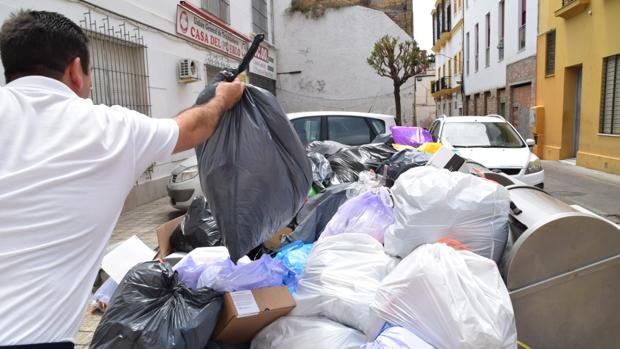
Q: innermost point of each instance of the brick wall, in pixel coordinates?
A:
(521, 93)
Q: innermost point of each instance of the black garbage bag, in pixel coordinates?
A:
(198, 228)
(151, 309)
(384, 138)
(401, 162)
(253, 170)
(318, 211)
(325, 147)
(348, 163)
(321, 170)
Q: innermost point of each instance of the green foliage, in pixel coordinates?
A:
(397, 60)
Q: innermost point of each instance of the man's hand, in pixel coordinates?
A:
(198, 123)
(230, 92)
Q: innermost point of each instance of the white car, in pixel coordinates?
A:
(184, 184)
(493, 142)
(351, 128)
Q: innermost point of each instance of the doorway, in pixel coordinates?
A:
(577, 118)
(571, 116)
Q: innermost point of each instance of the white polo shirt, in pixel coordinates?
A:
(66, 166)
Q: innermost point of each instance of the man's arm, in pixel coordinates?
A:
(198, 123)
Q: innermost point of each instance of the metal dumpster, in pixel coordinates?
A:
(562, 269)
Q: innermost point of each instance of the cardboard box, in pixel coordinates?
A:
(448, 159)
(245, 313)
(164, 232)
(276, 240)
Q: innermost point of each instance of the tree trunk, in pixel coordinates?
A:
(397, 102)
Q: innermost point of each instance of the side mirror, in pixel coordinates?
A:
(530, 142)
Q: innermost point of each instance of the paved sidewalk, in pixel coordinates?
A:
(142, 222)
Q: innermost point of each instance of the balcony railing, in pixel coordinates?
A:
(567, 2)
(500, 49)
(522, 37)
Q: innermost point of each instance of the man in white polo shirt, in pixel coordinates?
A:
(66, 166)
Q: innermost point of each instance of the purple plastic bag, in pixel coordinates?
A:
(368, 213)
(189, 271)
(397, 338)
(413, 136)
(225, 276)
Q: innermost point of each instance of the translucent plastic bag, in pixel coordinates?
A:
(369, 213)
(225, 276)
(341, 277)
(450, 299)
(104, 293)
(295, 256)
(253, 170)
(150, 309)
(307, 333)
(413, 136)
(432, 204)
(397, 338)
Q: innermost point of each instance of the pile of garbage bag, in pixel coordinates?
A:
(369, 247)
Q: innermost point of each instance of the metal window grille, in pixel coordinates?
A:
(522, 37)
(119, 65)
(218, 8)
(477, 50)
(259, 17)
(487, 52)
(467, 54)
(550, 53)
(610, 96)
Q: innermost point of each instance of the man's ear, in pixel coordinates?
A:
(74, 76)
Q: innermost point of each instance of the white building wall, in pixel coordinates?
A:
(331, 54)
(511, 48)
(157, 22)
(493, 76)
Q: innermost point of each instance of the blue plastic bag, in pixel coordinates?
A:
(397, 338)
(225, 276)
(369, 213)
(294, 256)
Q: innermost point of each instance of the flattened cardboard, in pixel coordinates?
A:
(164, 232)
(446, 158)
(272, 302)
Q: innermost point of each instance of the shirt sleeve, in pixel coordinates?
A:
(153, 139)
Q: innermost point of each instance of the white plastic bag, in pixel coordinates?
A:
(450, 299)
(307, 333)
(341, 277)
(432, 204)
(397, 338)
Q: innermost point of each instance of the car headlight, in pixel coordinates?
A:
(534, 166)
(187, 174)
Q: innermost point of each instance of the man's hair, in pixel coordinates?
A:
(41, 43)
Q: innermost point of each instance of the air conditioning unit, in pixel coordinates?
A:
(188, 70)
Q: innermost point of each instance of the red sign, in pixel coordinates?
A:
(210, 34)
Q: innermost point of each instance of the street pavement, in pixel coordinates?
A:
(596, 191)
(141, 222)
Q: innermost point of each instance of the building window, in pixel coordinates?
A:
(500, 25)
(120, 71)
(218, 8)
(259, 17)
(522, 22)
(550, 53)
(610, 99)
(487, 49)
(476, 48)
(467, 52)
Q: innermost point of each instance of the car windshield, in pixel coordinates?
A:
(481, 135)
